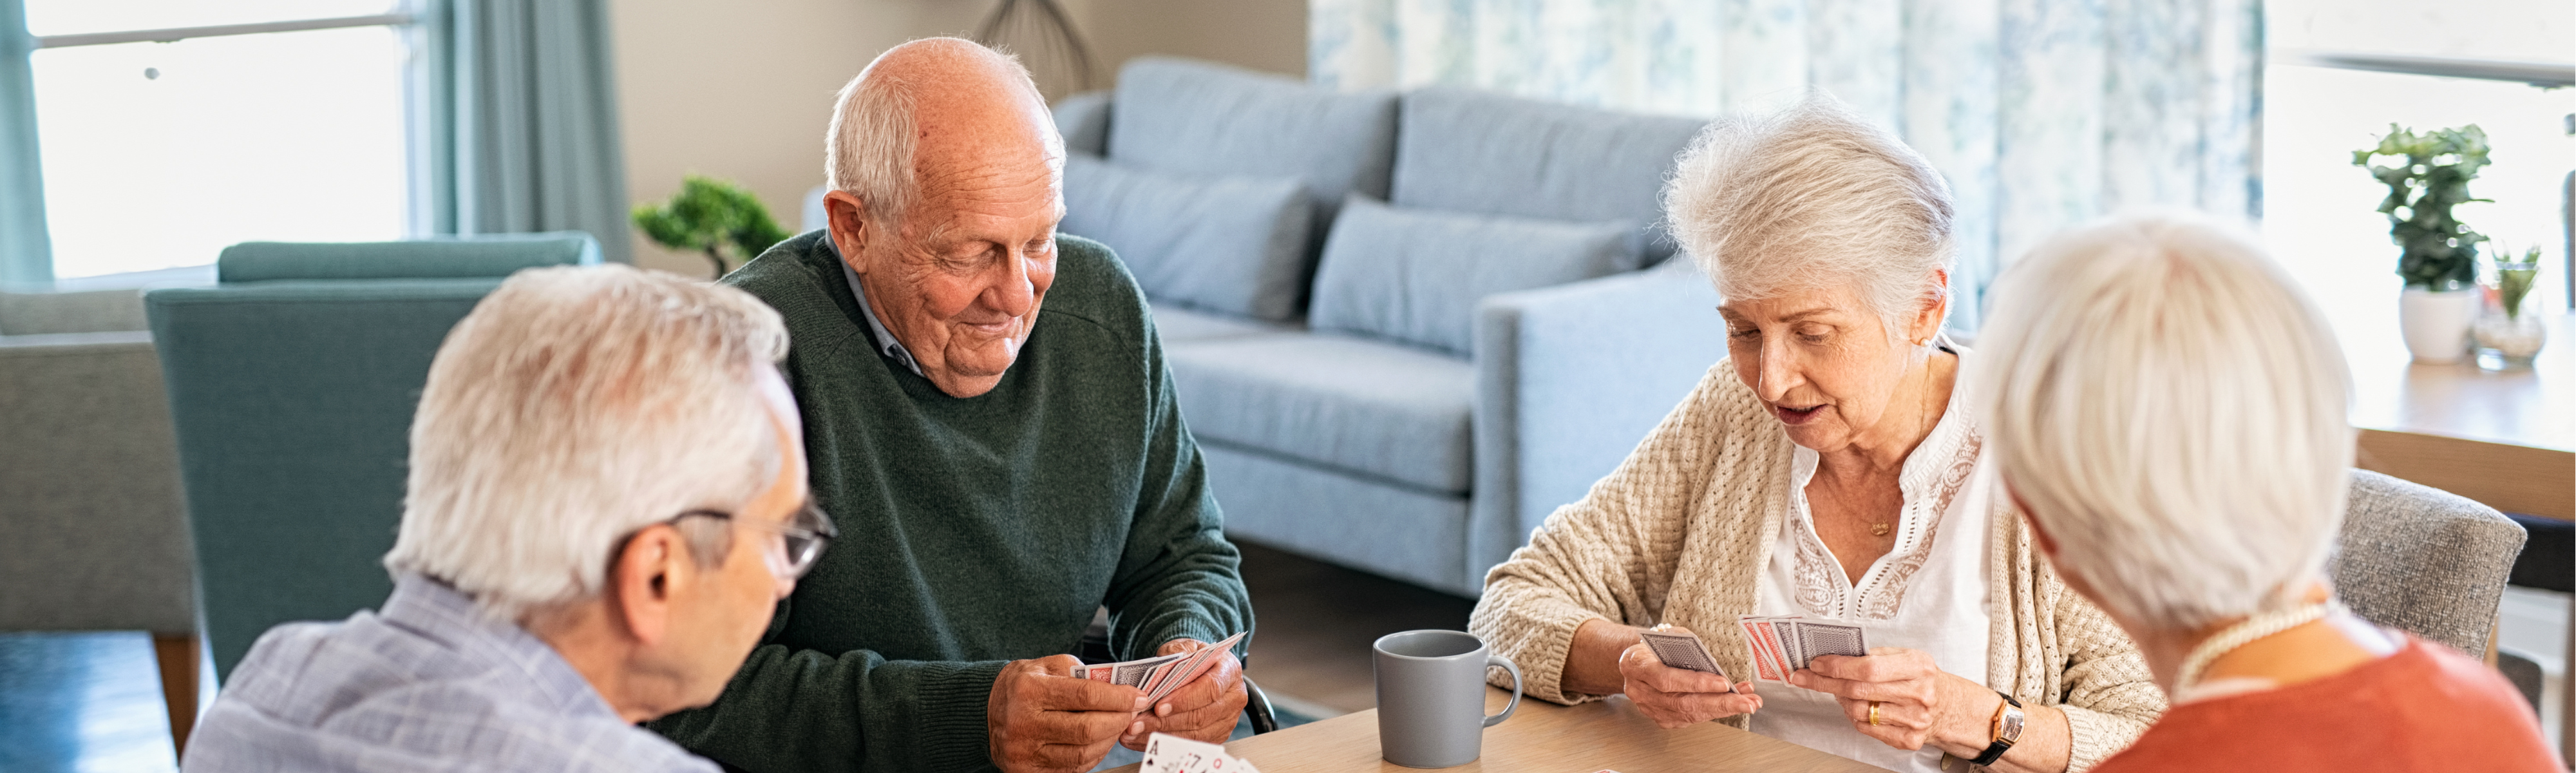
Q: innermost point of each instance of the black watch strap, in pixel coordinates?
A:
(2004, 740)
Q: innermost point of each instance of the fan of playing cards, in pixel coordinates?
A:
(1173, 754)
(1783, 645)
(1159, 676)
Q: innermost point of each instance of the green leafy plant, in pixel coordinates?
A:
(2438, 252)
(714, 217)
(2513, 280)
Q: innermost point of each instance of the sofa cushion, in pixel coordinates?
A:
(1416, 275)
(1190, 117)
(1474, 151)
(1175, 323)
(1376, 410)
(1233, 244)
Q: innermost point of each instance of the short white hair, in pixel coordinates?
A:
(1812, 197)
(572, 407)
(868, 151)
(2171, 408)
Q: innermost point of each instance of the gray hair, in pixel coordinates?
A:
(1810, 197)
(2171, 408)
(573, 406)
(868, 151)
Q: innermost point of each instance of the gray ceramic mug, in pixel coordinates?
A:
(1431, 697)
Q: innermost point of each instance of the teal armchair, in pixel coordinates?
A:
(291, 385)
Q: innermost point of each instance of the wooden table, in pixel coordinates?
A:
(1547, 738)
(2507, 438)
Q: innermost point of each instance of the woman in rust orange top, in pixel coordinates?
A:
(2169, 411)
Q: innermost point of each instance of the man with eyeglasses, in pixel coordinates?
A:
(607, 499)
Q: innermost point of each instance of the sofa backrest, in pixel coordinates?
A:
(1472, 151)
(91, 311)
(1198, 118)
(455, 257)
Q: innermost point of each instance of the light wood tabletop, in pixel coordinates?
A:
(1547, 738)
(2504, 438)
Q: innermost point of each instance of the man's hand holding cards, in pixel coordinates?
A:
(1671, 677)
(1195, 690)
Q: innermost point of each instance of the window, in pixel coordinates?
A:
(2319, 211)
(158, 155)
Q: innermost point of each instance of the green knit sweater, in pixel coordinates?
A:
(973, 531)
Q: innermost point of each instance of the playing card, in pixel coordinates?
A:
(1683, 650)
(1790, 646)
(1826, 638)
(1133, 673)
(1189, 667)
(1174, 754)
(1767, 662)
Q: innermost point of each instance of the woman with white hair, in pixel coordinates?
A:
(1826, 469)
(2170, 412)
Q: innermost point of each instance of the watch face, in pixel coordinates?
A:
(2012, 724)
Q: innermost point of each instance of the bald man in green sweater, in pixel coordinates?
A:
(997, 471)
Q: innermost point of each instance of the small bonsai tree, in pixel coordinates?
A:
(2438, 252)
(711, 216)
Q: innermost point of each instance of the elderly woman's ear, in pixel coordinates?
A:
(1927, 319)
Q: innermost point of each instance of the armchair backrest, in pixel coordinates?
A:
(292, 385)
(2425, 560)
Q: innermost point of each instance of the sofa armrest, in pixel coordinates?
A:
(1568, 380)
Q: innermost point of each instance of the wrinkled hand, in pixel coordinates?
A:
(1677, 698)
(1040, 718)
(1918, 702)
(1204, 709)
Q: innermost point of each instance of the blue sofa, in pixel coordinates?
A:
(1374, 394)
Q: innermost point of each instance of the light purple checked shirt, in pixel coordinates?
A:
(429, 684)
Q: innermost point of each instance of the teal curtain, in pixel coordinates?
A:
(515, 119)
(26, 250)
(2042, 113)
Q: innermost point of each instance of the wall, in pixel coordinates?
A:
(743, 90)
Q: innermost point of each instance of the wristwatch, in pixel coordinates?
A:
(2007, 729)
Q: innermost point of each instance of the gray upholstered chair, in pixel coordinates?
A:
(93, 535)
(2425, 560)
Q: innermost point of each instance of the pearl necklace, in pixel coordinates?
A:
(2243, 633)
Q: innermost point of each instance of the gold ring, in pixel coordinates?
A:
(1873, 713)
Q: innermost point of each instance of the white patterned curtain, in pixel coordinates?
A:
(2043, 113)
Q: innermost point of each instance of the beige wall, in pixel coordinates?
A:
(742, 90)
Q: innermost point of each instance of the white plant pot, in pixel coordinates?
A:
(2437, 323)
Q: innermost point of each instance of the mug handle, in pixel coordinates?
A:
(1508, 665)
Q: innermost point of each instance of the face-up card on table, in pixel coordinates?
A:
(1174, 754)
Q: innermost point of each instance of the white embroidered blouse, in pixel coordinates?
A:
(1928, 593)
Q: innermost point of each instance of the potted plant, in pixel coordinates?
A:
(714, 217)
(2508, 335)
(2438, 255)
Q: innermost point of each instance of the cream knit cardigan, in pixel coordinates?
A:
(1678, 533)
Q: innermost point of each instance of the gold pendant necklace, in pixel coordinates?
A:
(1878, 529)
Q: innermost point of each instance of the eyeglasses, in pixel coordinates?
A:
(801, 538)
